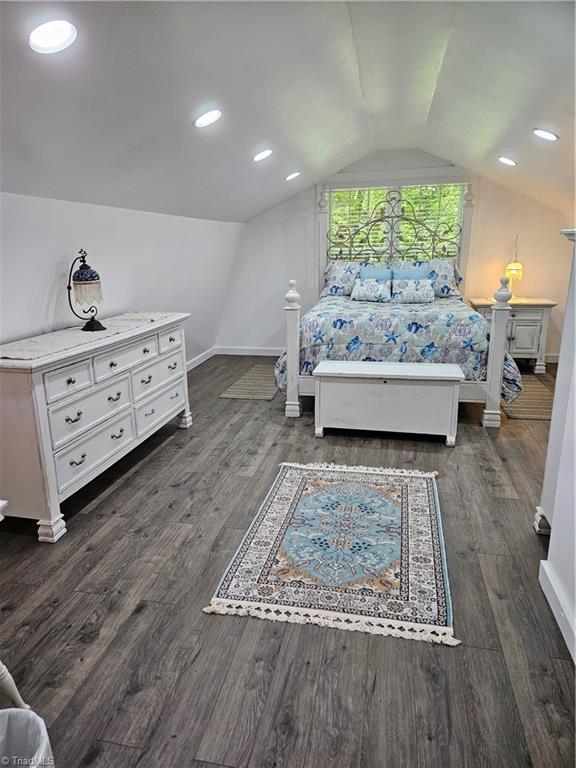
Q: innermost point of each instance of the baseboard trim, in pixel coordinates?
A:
(201, 358)
(558, 601)
(257, 351)
(265, 351)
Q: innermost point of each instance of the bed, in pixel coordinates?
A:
(445, 330)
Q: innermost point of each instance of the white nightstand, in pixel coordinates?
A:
(527, 328)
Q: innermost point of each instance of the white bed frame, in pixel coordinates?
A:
(486, 392)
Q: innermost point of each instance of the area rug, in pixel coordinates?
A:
(355, 548)
(257, 384)
(535, 402)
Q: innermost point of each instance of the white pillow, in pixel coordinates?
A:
(340, 277)
(372, 289)
(406, 291)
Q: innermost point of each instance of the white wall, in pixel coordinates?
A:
(281, 243)
(499, 214)
(273, 247)
(147, 261)
(557, 575)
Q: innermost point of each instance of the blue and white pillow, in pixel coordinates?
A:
(372, 289)
(377, 270)
(443, 273)
(412, 291)
(339, 278)
(410, 272)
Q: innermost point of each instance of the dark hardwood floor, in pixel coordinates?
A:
(105, 635)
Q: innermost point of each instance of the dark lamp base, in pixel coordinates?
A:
(93, 325)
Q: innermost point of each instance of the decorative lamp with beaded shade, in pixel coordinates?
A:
(85, 282)
(515, 269)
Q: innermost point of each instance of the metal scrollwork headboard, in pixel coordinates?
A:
(394, 231)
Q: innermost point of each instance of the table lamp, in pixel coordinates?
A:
(87, 290)
(514, 269)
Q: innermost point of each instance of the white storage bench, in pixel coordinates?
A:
(389, 397)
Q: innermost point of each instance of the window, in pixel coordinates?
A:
(409, 222)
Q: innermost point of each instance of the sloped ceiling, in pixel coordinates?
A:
(109, 120)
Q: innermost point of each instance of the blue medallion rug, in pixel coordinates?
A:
(355, 548)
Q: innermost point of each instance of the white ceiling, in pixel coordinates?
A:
(109, 120)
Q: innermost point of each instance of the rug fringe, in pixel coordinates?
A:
(406, 631)
(376, 470)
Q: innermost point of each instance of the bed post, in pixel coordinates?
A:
(292, 310)
(496, 351)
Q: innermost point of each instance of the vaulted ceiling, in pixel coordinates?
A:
(323, 84)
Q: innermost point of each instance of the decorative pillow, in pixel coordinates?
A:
(410, 272)
(412, 291)
(442, 272)
(372, 290)
(444, 276)
(339, 277)
(375, 271)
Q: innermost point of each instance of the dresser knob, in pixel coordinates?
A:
(174, 396)
(173, 367)
(145, 351)
(113, 364)
(70, 420)
(147, 380)
(512, 314)
(70, 380)
(172, 339)
(113, 399)
(150, 413)
(119, 435)
(74, 463)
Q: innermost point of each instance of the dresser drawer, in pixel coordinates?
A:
(116, 361)
(69, 420)
(170, 339)
(150, 377)
(67, 381)
(149, 413)
(75, 462)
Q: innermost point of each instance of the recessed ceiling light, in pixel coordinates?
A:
(547, 135)
(507, 161)
(292, 175)
(208, 118)
(262, 155)
(52, 37)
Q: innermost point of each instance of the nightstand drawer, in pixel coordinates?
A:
(516, 313)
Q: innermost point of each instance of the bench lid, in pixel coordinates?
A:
(364, 369)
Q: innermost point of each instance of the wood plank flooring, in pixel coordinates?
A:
(105, 634)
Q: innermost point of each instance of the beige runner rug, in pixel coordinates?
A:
(256, 384)
(535, 402)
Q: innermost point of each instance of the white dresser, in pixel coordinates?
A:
(72, 403)
(527, 328)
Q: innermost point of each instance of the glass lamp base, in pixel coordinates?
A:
(93, 325)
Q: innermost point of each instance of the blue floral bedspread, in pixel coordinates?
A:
(444, 331)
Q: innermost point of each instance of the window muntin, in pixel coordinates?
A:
(410, 222)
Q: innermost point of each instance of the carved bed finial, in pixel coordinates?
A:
(292, 296)
(503, 294)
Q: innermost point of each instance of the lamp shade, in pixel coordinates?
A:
(514, 270)
(87, 286)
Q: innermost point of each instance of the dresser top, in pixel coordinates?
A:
(516, 301)
(60, 346)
